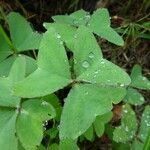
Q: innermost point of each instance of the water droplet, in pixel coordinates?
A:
(96, 72)
(75, 61)
(86, 93)
(87, 16)
(75, 22)
(44, 103)
(144, 78)
(75, 36)
(126, 129)
(3, 76)
(102, 62)
(91, 55)
(19, 55)
(24, 112)
(58, 36)
(85, 64)
(125, 110)
(95, 76)
(141, 99)
(61, 42)
(80, 132)
(88, 24)
(122, 85)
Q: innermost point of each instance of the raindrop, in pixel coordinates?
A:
(75, 36)
(3, 76)
(85, 64)
(91, 55)
(19, 55)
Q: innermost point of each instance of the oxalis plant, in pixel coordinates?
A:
(69, 57)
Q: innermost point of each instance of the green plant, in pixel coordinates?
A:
(28, 101)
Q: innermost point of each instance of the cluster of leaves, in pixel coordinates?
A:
(28, 102)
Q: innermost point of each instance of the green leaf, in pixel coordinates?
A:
(89, 51)
(137, 145)
(89, 134)
(6, 65)
(127, 130)
(17, 73)
(83, 104)
(53, 69)
(68, 145)
(77, 18)
(104, 73)
(99, 123)
(120, 146)
(66, 37)
(54, 147)
(80, 17)
(145, 124)
(29, 122)
(22, 35)
(100, 25)
(4, 46)
(8, 129)
(40, 83)
(138, 80)
(55, 102)
(133, 97)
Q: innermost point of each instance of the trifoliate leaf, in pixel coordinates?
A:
(138, 80)
(127, 130)
(133, 97)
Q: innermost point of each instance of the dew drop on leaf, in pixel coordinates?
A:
(85, 64)
(75, 22)
(91, 55)
(58, 36)
(44, 103)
